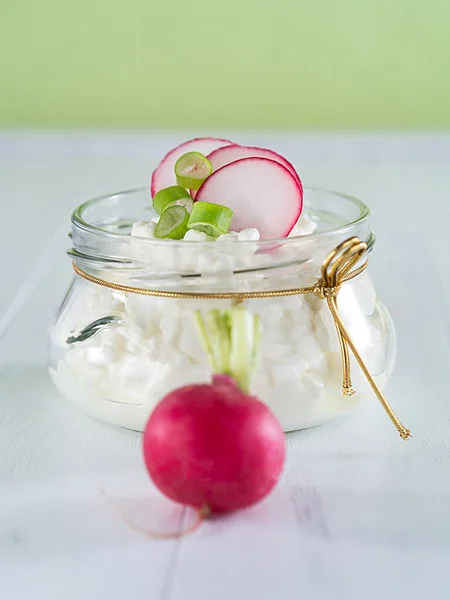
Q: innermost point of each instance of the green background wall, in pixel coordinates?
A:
(172, 63)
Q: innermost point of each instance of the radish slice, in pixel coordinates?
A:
(164, 176)
(226, 155)
(262, 193)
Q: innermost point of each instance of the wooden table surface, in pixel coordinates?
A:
(359, 515)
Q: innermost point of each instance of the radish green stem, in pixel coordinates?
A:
(204, 339)
(230, 339)
(220, 339)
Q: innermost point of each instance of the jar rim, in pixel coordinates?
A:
(78, 220)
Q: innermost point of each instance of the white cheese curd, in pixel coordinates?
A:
(145, 229)
(304, 226)
(193, 235)
(248, 235)
(119, 374)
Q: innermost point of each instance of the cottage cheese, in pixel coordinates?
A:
(120, 374)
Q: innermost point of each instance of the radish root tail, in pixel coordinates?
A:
(202, 513)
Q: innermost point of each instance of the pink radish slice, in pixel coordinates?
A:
(262, 193)
(163, 176)
(225, 155)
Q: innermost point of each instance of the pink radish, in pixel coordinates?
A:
(225, 155)
(163, 176)
(262, 193)
(214, 447)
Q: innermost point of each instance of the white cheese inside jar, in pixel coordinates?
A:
(121, 372)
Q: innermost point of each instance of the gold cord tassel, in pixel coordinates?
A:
(335, 269)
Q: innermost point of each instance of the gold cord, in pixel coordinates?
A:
(336, 270)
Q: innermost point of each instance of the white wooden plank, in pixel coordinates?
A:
(58, 536)
(385, 147)
(360, 514)
(38, 197)
(252, 554)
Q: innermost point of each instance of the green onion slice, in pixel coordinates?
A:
(192, 169)
(172, 223)
(186, 202)
(212, 219)
(171, 196)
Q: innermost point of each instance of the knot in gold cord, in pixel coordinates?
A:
(323, 292)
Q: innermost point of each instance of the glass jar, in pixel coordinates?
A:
(117, 353)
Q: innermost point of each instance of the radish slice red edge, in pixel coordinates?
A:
(163, 176)
(261, 192)
(225, 155)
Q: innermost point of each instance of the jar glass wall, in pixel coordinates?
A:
(117, 353)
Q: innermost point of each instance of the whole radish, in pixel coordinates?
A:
(214, 446)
